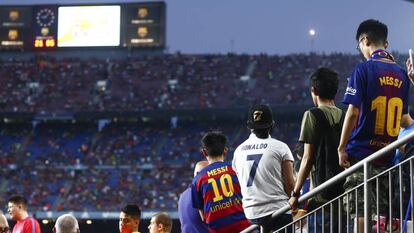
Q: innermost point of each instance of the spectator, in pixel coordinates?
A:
(219, 180)
(324, 86)
(129, 219)
(160, 223)
(189, 217)
(4, 225)
(264, 167)
(66, 224)
(377, 98)
(17, 208)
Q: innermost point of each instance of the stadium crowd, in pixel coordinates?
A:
(87, 169)
(50, 85)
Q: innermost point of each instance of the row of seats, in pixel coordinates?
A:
(64, 166)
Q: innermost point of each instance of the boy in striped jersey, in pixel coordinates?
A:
(216, 190)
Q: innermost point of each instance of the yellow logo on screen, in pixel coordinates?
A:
(13, 34)
(142, 32)
(44, 31)
(142, 12)
(13, 15)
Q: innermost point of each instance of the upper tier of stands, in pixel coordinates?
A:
(168, 82)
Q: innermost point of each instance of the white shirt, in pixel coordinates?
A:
(260, 160)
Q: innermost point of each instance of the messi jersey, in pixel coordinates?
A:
(216, 191)
(379, 89)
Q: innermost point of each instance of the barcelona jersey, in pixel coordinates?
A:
(216, 191)
(379, 89)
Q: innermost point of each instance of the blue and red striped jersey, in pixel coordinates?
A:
(216, 191)
(379, 89)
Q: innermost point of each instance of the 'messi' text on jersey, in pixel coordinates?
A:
(390, 81)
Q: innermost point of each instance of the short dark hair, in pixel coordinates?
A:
(214, 142)
(132, 210)
(325, 83)
(263, 133)
(376, 31)
(19, 200)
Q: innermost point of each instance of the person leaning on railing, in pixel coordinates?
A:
(314, 129)
(377, 98)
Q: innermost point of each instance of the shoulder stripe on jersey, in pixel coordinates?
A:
(384, 60)
(33, 225)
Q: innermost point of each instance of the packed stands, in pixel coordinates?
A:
(74, 166)
(78, 165)
(46, 84)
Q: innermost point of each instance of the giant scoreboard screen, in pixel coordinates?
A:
(48, 27)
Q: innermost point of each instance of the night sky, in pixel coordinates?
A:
(274, 26)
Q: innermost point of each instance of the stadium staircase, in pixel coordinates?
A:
(61, 198)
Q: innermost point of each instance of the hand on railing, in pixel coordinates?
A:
(343, 158)
(293, 203)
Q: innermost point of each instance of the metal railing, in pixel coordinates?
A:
(347, 223)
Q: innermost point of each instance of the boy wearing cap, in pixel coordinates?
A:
(264, 167)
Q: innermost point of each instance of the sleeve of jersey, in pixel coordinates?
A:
(196, 195)
(287, 154)
(307, 129)
(233, 162)
(355, 89)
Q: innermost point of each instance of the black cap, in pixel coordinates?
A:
(260, 117)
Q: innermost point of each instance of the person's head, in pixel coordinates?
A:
(260, 120)
(324, 84)
(4, 225)
(200, 166)
(214, 144)
(129, 218)
(66, 224)
(160, 223)
(371, 33)
(17, 208)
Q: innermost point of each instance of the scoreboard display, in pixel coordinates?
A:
(85, 26)
(50, 27)
(15, 27)
(44, 27)
(144, 25)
